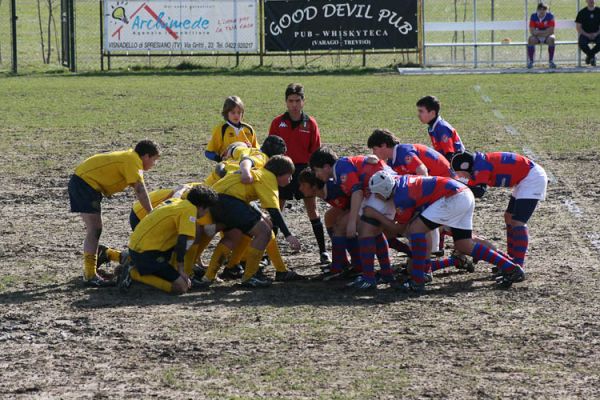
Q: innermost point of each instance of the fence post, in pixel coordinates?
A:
(475, 33)
(261, 32)
(13, 33)
(422, 51)
(493, 38)
(101, 34)
(577, 46)
(526, 35)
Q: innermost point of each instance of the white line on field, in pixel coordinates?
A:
(511, 130)
(498, 114)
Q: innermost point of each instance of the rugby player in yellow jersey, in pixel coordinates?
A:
(231, 130)
(104, 175)
(159, 243)
(235, 212)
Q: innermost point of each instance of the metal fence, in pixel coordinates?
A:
(39, 39)
(493, 32)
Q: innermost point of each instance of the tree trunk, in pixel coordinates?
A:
(39, 9)
(49, 31)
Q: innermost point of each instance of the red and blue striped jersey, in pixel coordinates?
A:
(408, 157)
(353, 173)
(499, 169)
(414, 193)
(543, 23)
(335, 196)
(444, 137)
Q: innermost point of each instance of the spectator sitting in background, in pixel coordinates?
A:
(588, 28)
(541, 27)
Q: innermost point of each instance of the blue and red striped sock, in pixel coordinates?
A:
(383, 254)
(482, 252)
(447, 262)
(418, 247)
(551, 53)
(509, 240)
(368, 248)
(530, 52)
(354, 251)
(520, 244)
(338, 253)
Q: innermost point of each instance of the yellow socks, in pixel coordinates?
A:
(275, 255)
(221, 253)
(253, 257)
(151, 280)
(113, 255)
(190, 259)
(239, 251)
(89, 265)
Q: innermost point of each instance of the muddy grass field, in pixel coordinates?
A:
(464, 339)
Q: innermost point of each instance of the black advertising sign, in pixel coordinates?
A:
(334, 25)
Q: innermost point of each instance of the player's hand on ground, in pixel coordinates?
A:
(293, 242)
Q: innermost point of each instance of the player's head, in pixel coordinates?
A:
(273, 146)
(591, 3)
(230, 150)
(294, 98)
(149, 152)
(282, 167)
(203, 198)
(233, 109)
(382, 184)
(321, 161)
(309, 184)
(542, 9)
(382, 143)
(462, 164)
(428, 108)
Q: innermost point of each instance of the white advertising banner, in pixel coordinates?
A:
(181, 26)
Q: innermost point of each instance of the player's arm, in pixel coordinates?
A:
(142, 195)
(355, 203)
(182, 246)
(417, 165)
(245, 169)
(279, 222)
(388, 225)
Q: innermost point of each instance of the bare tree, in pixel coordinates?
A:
(39, 9)
(0, 40)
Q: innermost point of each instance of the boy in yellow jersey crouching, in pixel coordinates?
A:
(159, 243)
(104, 175)
(235, 212)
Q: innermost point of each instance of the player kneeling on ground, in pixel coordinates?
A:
(160, 241)
(442, 201)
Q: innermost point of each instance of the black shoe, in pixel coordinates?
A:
(438, 253)
(593, 61)
(260, 274)
(232, 273)
(124, 278)
(588, 60)
(288, 276)
(98, 282)
(506, 280)
(200, 282)
(331, 275)
(254, 282)
(464, 263)
(410, 287)
(265, 262)
(102, 256)
(325, 258)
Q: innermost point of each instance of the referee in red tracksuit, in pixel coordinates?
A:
(301, 135)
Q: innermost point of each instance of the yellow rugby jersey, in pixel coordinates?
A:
(160, 195)
(224, 134)
(264, 188)
(258, 158)
(159, 230)
(110, 173)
